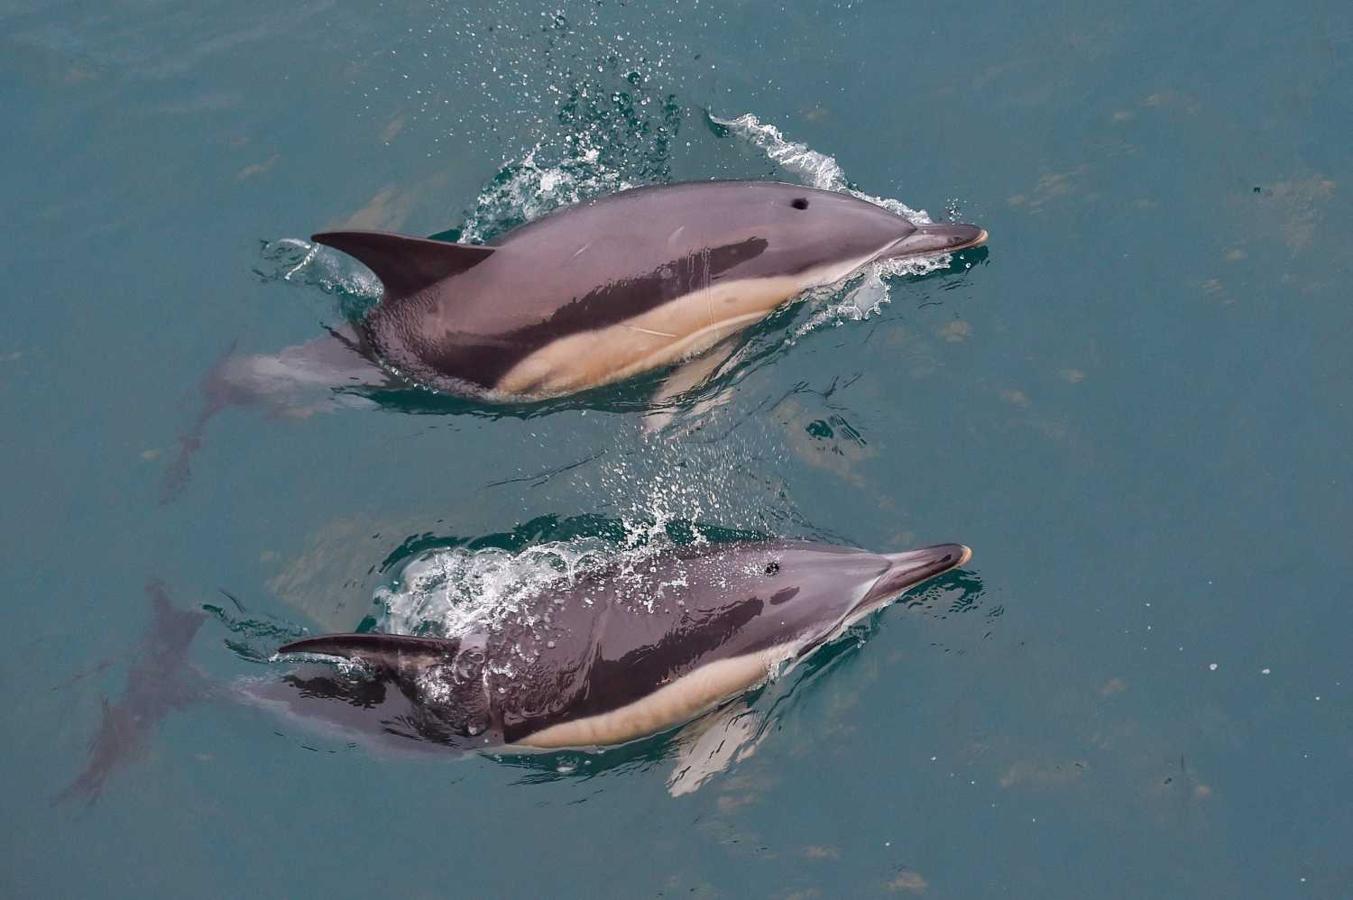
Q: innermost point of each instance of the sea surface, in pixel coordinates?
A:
(1135, 405)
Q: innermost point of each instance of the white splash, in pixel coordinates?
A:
(863, 293)
(813, 168)
(529, 189)
(457, 591)
(651, 496)
(808, 165)
(302, 262)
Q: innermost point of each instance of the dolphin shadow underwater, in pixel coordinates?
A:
(159, 682)
(583, 298)
(606, 672)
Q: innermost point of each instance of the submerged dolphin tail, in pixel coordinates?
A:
(321, 375)
(214, 399)
(160, 680)
(405, 265)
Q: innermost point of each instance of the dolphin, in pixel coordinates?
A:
(586, 296)
(620, 654)
(613, 287)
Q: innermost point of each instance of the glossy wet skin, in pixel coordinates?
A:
(609, 642)
(627, 261)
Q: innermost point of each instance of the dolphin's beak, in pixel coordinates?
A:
(906, 570)
(928, 240)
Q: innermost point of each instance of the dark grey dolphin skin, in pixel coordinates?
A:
(616, 656)
(616, 286)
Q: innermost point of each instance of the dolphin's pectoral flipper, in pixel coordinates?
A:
(694, 372)
(405, 265)
(398, 654)
(686, 377)
(709, 746)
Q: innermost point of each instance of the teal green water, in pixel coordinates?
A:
(1135, 408)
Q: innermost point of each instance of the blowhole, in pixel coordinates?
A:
(799, 203)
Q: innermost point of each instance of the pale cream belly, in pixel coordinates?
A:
(672, 704)
(672, 332)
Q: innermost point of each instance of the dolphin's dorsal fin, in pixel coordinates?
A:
(397, 653)
(405, 265)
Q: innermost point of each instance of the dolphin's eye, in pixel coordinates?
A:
(799, 203)
(772, 568)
